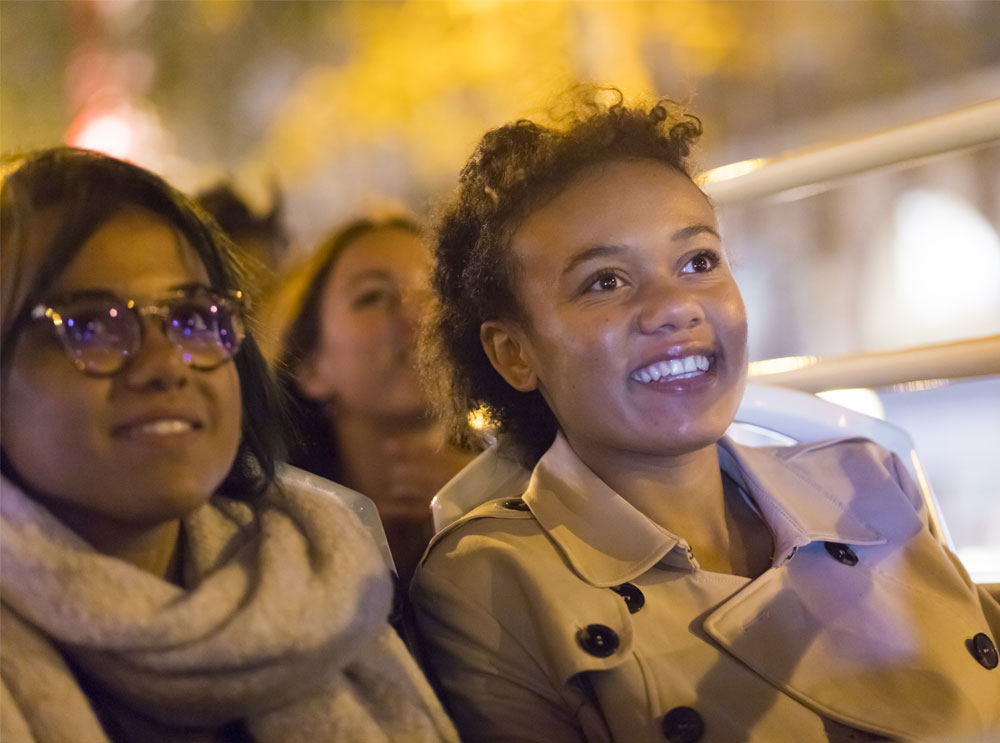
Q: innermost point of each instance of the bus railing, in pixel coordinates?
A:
(922, 365)
(750, 179)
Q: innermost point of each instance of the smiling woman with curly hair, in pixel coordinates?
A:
(646, 578)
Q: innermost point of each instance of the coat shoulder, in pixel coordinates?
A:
(841, 449)
(500, 536)
(852, 468)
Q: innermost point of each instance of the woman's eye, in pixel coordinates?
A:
(86, 328)
(194, 319)
(701, 263)
(606, 281)
(372, 298)
(93, 325)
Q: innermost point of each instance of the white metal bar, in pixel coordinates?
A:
(969, 127)
(977, 357)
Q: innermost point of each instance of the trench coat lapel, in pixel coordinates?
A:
(605, 539)
(851, 640)
(797, 503)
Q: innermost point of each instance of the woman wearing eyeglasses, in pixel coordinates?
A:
(159, 581)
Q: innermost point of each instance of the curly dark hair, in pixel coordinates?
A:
(78, 191)
(515, 170)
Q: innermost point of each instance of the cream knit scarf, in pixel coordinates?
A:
(283, 627)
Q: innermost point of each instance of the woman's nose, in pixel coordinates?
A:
(411, 308)
(158, 364)
(669, 309)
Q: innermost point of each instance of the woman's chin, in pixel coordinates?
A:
(402, 404)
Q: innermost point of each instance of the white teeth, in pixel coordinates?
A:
(689, 366)
(166, 427)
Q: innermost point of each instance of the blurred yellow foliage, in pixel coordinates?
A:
(428, 74)
(221, 15)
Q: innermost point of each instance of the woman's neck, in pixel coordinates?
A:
(687, 495)
(361, 443)
(152, 548)
(680, 492)
(155, 550)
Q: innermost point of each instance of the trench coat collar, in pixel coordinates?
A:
(607, 541)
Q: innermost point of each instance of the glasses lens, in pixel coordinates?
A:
(207, 329)
(99, 333)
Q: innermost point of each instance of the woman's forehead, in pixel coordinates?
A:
(611, 203)
(389, 248)
(134, 252)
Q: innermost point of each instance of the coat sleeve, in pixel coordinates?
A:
(494, 685)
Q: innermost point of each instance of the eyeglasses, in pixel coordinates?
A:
(100, 331)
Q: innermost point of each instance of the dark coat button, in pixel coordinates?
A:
(515, 504)
(983, 650)
(683, 725)
(634, 599)
(841, 553)
(598, 640)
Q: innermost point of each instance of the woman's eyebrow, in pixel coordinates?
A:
(190, 286)
(687, 233)
(598, 251)
(372, 273)
(602, 251)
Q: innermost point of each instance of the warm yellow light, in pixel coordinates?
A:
(859, 399)
(783, 364)
(728, 172)
(920, 385)
(480, 419)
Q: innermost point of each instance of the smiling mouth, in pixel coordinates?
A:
(159, 427)
(672, 370)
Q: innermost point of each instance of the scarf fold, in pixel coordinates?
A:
(283, 626)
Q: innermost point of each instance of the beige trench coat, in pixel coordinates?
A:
(863, 627)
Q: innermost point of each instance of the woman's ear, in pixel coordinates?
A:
(312, 379)
(507, 350)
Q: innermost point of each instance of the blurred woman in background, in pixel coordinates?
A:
(350, 352)
(160, 580)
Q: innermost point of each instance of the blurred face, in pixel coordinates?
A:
(370, 311)
(146, 445)
(634, 330)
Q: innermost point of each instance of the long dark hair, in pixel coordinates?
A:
(85, 189)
